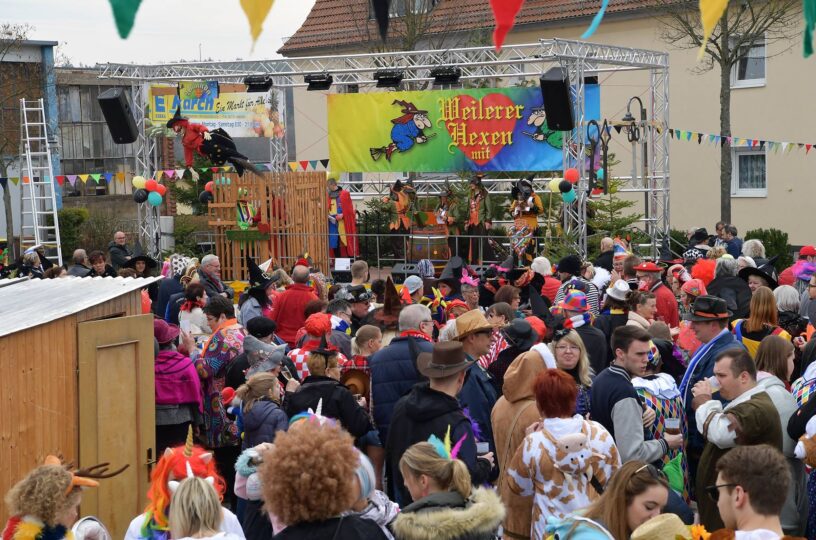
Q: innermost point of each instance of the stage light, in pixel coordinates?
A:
(446, 75)
(388, 78)
(258, 83)
(318, 81)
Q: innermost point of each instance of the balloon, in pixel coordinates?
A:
(571, 175)
(161, 189)
(205, 197)
(154, 198)
(140, 195)
(150, 185)
(600, 174)
(569, 196)
(138, 182)
(209, 186)
(564, 186)
(553, 185)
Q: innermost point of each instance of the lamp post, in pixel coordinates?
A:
(636, 133)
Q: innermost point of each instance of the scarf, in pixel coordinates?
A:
(340, 325)
(702, 351)
(225, 324)
(416, 334)
(30, 528)
(190, 305)
(577, 321)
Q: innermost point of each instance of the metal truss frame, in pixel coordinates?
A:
(577, 58)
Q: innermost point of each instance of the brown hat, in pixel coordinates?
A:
(356, 380)
(448, 358)
(708, 308)
(662, 527)
(471, 322)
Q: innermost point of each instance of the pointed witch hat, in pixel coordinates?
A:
(392, 305)
(176, 117)
(452, 273)
(538, 305)
(257, 277)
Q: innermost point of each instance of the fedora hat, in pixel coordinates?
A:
(520, 334)
(448, 358)
(164, 332)
(471, 322)
(357, 381)
(750, 271)
(708, 308)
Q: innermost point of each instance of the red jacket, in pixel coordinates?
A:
(550, 288)
(192, 140)
(287, 311)
(667, 310)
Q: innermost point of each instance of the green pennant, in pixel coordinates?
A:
(15, 180)
(204, 169)
(96, 177)
(124, 13)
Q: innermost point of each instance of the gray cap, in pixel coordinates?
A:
(413, 283)
(262, 356)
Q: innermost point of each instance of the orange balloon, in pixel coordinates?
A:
(571, 176)
(161, 189)
(151, 184)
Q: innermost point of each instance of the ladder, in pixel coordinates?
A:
(39, 223)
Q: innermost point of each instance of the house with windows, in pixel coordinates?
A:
(771, 95)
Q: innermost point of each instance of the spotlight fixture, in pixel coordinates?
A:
(258, 83)
(318, 81)
(446, 75)
(388, 78)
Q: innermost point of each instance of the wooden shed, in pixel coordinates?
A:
(76, 365)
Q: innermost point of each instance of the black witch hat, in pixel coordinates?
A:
(538, 305)
(257, 277)
(452, 273)
(176, 117)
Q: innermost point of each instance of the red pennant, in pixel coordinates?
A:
(808, 147)
(60, 179)
(304, 165)
(214, 169)
(504, 12)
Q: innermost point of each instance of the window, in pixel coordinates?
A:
(399, 8)
(749, 174)
(749, 71)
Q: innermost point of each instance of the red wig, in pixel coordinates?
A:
(556, 393)
(703, 270)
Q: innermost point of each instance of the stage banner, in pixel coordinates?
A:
(474, 129)
(225, 106)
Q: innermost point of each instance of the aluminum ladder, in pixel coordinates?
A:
(39, 223)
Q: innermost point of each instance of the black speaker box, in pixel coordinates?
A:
(116, 110)
(555, 90)
(402, 271)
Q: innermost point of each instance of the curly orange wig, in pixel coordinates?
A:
(703, 270)
(309, 474)
(173, 466)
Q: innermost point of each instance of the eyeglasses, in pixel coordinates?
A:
(484, 333)
(566, 348)
(811, 286)
(714, 491)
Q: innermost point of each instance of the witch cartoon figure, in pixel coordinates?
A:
(543, 133)
(407, 131)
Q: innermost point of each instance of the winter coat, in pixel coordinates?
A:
(556, 465)
(171, 312)
(637, 320)
(596, 345)
(119, 255)
(350, 527)
(607, 322)
(109, 272)
(393, 373)
(735, 292)
(167, 288)
(577, 527)
(287, 311)
(262, 422)
(417, 416)
(197, 320)
(478, 396)
(338, 403)
(214, 286)
(446, 515)
(604, 260)
(381, 510)
(79, 270)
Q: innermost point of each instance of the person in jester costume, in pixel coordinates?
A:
(215, 145)
(525, 207)
(175, 465)
(342, 222)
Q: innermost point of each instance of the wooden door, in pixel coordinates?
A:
(117, 415)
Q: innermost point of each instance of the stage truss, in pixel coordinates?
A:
(514, 63)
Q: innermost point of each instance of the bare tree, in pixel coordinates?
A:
(745, 23)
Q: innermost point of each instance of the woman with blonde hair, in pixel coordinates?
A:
(764, 321)
(571, 356)
(261, 409)
(445, 507)
(196, 512)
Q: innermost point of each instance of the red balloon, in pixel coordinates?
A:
(209, 186)
(571, 176)
(151, 184)
(161, 189)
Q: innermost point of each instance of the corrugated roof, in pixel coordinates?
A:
(25, 303)
(333, 23)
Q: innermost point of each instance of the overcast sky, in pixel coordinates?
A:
(164, 30)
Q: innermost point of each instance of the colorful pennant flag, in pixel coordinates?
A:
(120, 176)
(504, 13)
(124, 13)
(809, 12)
(83, 177)
(313, 164)
(325, 163)
(169, 173)
(304, 165)
(60, 179)
(96, 177)
(72, 178)
(711, 11)
(293, 165)
(180, 174)
(15, 180)
(381, 9)
(256, 12)
(108, 177)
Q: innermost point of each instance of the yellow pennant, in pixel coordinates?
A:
(256, 12)
(83, 177)
(711, 11)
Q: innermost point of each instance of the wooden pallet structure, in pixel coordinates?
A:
(292, 210)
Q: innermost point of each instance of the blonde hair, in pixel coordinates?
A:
(582, 369)
(763, 311)
(320, 364)
(282, 277)
(31, 258)
(42, 494)
(449, 474)
(257, 387)
(195, 509)
(364, 334)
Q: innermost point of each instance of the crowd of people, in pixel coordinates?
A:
(612, 399)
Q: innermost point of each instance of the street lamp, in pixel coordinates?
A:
(636, 133)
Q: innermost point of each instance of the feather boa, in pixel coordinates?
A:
(703, 270)
(474, 425)
(804, 270)
(30, 528)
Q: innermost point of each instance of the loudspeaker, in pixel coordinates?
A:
(116, 110)
(402, 271)
(555, 90)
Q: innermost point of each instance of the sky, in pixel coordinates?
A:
(165, 30)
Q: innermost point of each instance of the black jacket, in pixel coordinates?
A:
(735, 292)
(417, 416)
(596, 346)
(604, 260)
(340, 528)
(338, 403)
(607, 323)
(109, 272)
(167, 288)
(119, 255)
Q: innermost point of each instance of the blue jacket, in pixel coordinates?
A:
(167, 288)
(404, 135)
(478, 395)
(393, 373)
(262, 422)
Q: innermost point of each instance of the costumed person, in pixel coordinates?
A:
(543, 133)
(45, 504)
(144, 267)
(257, 300)
(479, 221)
(216, 145)
(524, 209)
(400, 197)
(342, 222)
(447, 289)
(407, 131)
(175, 465)
(445, 218)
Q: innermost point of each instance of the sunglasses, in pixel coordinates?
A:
(653, 471)
(714, 491)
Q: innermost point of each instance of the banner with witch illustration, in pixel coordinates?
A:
(479, 129)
